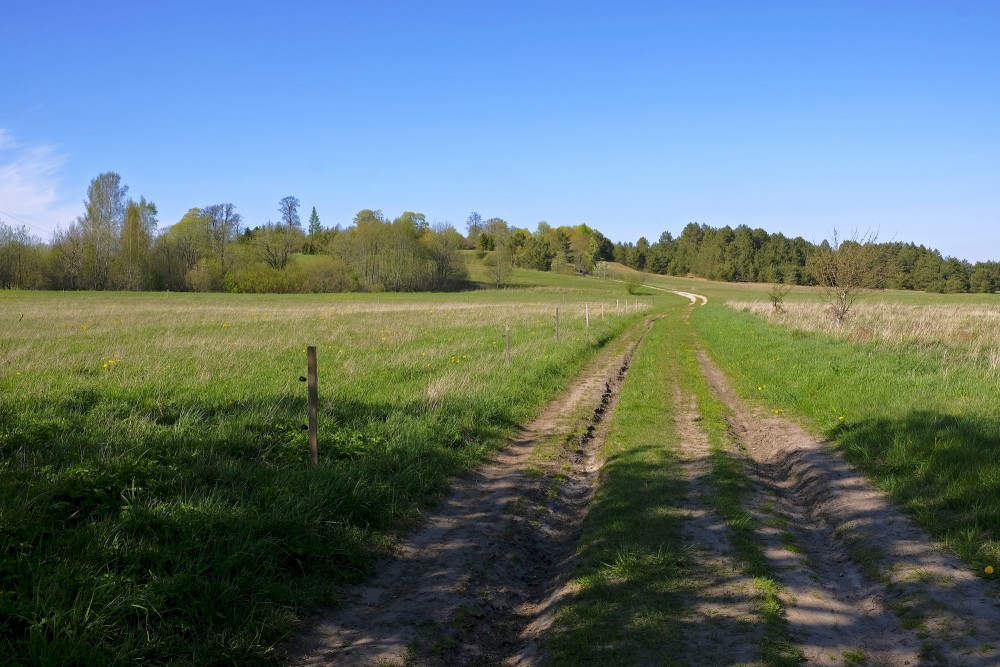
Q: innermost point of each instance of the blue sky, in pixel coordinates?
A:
(632, 117)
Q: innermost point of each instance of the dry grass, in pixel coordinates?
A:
(969, 330)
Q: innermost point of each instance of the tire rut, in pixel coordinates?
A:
(478, 582)
(859, 577)
(721, 625)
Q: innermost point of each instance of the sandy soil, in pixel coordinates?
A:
(721, 627)
(858, 574)
(476, 584)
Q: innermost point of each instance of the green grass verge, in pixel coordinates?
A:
(921, 421)
(156, 505)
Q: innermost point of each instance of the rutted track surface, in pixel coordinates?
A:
(475, 585)
(478, 583)
(857, 574)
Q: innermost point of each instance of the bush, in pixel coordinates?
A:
(325, 274)
(259, 279)
(313, 274)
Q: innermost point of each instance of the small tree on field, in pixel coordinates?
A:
(633, 281)
(777, 295)
(846, 270)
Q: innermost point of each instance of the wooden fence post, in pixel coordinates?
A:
(586, 307)
(313, 405)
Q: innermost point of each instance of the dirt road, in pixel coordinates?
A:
(858, 576)
(477, 584)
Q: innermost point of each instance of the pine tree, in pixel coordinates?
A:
(315, 229)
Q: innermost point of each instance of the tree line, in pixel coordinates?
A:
(743, 254)
(117, 244)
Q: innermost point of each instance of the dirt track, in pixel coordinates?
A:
(859, 575)
(478, 582)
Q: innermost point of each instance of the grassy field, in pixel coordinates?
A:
(156, 504)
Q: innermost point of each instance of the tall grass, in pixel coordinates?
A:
(156, 504)
(971, 331)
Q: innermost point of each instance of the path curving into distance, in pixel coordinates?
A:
(695, 298)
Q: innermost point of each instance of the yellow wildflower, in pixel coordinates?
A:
(988, 569)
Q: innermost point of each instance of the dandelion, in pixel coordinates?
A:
(841, 418)
(988, 569)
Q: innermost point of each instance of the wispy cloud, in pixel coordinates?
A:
(30, 186)
(6, 140)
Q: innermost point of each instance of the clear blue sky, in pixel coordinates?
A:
(632, 117)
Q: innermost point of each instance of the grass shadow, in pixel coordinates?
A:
(944, 469)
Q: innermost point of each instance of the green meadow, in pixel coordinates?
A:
(157, 504)
(156, 501)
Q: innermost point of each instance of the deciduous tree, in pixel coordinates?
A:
(138, 232)
(223, 223)
(101, 227)
(289, 209)
(845, 270)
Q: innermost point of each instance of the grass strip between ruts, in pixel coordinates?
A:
(627, 603)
